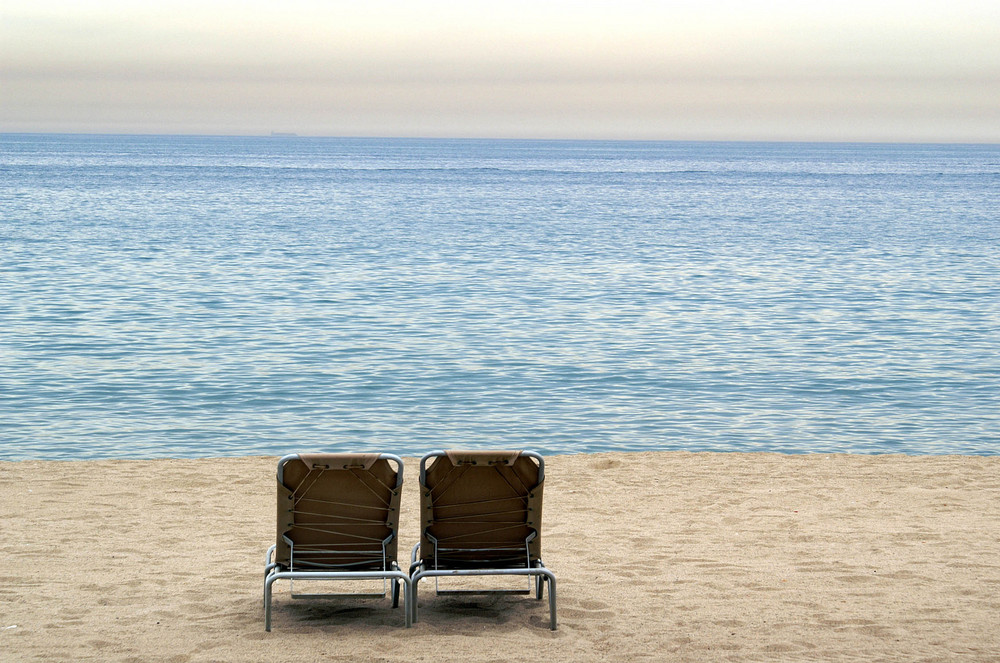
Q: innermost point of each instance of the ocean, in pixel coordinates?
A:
(169, 296)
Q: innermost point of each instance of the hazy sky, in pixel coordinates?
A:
(802, 70)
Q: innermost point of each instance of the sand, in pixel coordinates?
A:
(659, 556)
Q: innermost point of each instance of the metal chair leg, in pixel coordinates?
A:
(413, 599)
(267, 602)
(552, 601)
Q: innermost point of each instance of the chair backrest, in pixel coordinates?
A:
(338, 511)
(481, 508)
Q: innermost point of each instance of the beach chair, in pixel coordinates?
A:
(481, 515)
(338, 518)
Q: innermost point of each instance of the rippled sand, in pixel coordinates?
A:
(659, 556)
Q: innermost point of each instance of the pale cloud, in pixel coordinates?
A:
(716, 69)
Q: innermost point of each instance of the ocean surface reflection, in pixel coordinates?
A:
(182, 296)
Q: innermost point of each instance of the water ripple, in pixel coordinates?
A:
(205, 297)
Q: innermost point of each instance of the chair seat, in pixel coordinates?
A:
(337, 519)
(480, 514)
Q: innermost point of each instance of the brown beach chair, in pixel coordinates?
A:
(338, 518)
(481, 514)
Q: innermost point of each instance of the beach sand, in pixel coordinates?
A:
(659, 556)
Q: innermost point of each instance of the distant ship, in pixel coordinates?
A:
(282, 134)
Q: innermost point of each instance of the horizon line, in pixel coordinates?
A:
(281, 135)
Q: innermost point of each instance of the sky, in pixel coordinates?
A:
(917, 71)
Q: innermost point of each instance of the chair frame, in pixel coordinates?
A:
(274, 572)
(542, 576)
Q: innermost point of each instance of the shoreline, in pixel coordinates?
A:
(414, 459)
(659, 556)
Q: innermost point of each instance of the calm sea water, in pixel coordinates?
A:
(198, 296)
